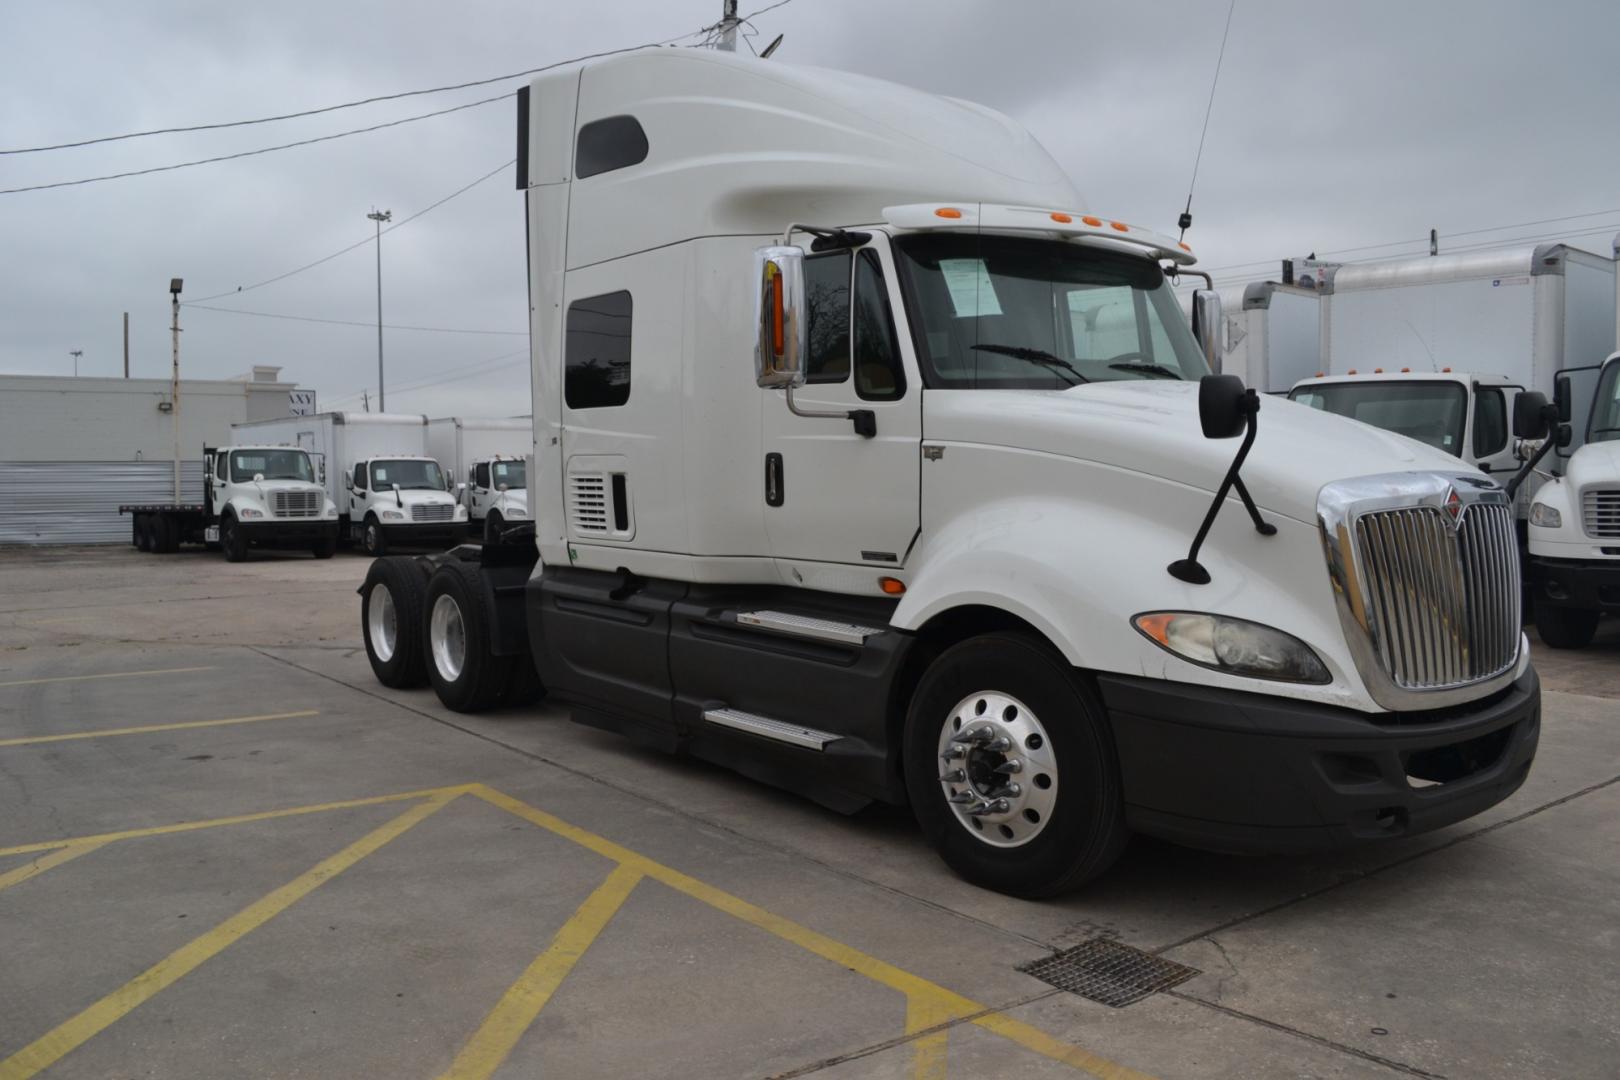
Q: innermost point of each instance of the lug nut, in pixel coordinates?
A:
(1007, 768)
(995, 806)
(962, 798)
(955, 776)
(1011, 791)
(952, 753)
(999, 744)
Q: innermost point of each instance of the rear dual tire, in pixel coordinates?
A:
(391, 621)
(465, 673)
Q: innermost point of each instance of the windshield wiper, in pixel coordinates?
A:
(1035, 356)
(1151, 369)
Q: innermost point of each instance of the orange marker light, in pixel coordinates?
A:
(891, 586)
(1156, 627)
(1092, 221)
(1320, 374)
(1406, 371)
(1184, 247)
(1120, 225)
(1445, 369)
(1378, 371)
(778, 315)
(948, 212)
(1061, 218)
(1352, 371)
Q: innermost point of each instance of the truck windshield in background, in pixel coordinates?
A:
(271, 464)
(409, 475)
(1605, 423)
(1001, 312)
(510, 473)
(1430, 412)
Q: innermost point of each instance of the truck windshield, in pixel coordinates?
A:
(1606, 406)
(510, 473)
(993, 312)
(272, 464)
(1430, 412)
(409, 475)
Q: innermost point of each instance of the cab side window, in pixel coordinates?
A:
(596, 351)
(826, 294)
(1490, 421)
(360, 476)
(481, 475)
(219, 465)
(874, 348)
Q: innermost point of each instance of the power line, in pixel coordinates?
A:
(477, 367)
(344, 251)
(253, 153)
(348, 322)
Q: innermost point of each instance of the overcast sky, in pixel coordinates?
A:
(1335, 126)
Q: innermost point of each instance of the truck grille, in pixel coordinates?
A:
(1600, 511)
(1444, 602)
(587, 498)
(432, 511)
(296, 504)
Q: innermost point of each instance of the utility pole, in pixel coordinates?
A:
(75, 353)
(365, 400)
(380, 216)
(126, 344)
(174, 381)
(728, 27)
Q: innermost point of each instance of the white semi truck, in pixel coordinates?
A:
(252, 496)
(869, 463)
(486, 459)
(376, 469)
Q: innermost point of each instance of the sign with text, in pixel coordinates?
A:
(300, 403)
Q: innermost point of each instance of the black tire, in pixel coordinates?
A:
(372, 538)
(232, 540)
(492, 528)
(165, 535)
(143, 532)
(1565, 627)
(1083, 831)
(523, 686)
(403, 585)
(325, 547)
(455, 595)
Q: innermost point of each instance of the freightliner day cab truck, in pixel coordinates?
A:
(870, 464)
(485, 459)
(376, 469)
(253, 496)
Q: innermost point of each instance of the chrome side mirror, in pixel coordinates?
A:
(779, 316)
(1208, 321)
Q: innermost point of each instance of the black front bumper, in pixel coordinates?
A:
(1235, 771)
(289, 533)
(435, 534)
(1592, 584)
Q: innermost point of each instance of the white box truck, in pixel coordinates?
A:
(486, 459)
(376, 469)
(869, 463)
(1273, 335)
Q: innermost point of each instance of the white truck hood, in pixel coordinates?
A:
(1152, 427)
(1594, 463)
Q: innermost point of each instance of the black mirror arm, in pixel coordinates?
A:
(1529, 467)
(1190, 569)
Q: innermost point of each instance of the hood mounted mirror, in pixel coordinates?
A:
(1225, 410)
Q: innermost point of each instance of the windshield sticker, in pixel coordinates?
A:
(972, 293)
(382, 475)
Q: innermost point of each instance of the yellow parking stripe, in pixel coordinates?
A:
(51, 1047)
(157, 727)
(522, 1002)
(109, 675)
(68, 853)
(239, 819)
(946, 1003)
(927, 1052)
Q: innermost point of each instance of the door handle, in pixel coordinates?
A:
(773, 480)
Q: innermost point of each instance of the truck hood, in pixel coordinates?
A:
(419, 497)
(1151, 427)
(1594, 463)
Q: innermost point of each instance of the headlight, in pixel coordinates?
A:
(1545, 517)
(1235, 646)
(249, 512)
(515, 512)
(331, 511)
(461, 512)
(393, 515)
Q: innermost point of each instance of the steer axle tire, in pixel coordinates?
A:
(1565, 627)
(391, 621)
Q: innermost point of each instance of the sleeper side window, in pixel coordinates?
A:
(1490, 421)
(616, 142)
(596, 352)
(826, 294)
(876, 352)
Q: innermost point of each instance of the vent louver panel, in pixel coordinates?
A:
(587, 502)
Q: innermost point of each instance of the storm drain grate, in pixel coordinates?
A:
(1108, 972)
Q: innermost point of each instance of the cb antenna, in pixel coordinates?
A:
(1186, 215)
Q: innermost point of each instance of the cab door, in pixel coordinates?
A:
(1490, 435)
(832, 494)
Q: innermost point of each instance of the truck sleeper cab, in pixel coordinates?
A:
(884, 506)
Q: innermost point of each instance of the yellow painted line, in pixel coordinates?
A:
(110, 675)
(238, 819)
(928, 1051)
(945, 1002)
(52, 1046)
(522, 1002)
(158, 727)
(68, 853)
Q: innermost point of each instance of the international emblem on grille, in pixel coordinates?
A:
(1453, 503)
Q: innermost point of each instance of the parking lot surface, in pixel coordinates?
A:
(225, 850)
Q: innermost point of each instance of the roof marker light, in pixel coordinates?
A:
(1352, 371)
(1321, 374)
(1445, 369)
(1378, 371)
(1184, 247)
(1094, 222)
(1120, 225)
(1061, 218)
(1406, 371)
(948, 212)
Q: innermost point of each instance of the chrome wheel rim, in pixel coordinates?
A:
(384, 622)
(998, 771)
(448, 636)
(371, 538)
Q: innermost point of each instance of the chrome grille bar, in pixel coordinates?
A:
(1600, 513)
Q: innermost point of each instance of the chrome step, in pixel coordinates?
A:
(764, 726)
(805, 626)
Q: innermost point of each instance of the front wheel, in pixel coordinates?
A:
(372, 537)
(232, 540)
(492, 528)
(325, 547)
(1011, 768)
(1564, 627)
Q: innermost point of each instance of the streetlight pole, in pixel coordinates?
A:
(75, 353)
(174, 382)
(380, 216)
